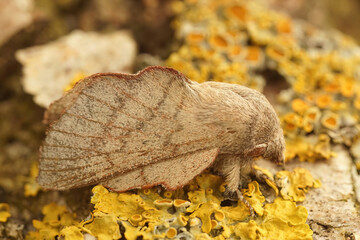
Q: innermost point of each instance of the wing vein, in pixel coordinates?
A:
(70, 147)
(169, 146)
(104, 124)
(72, 159)
(86, 177)
(104, 178)
(118, 90)
(153, 110)
(115, 108)
(74, 134)
(69, 169)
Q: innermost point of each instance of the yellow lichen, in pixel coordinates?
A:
(330, 120)
(323, 101)
(254, 55)
(125, 205)
(291, 122)
(4, 212)
(297, 147)
(247, 230)
(312, 114)
(236, 40)
(135, 219)
(238, 213)
(357, 165)
(285, 230)
(295, 184)
(286, 211)
(282, 220)
(219, 215)
(238, 12)
(56, 218)
(288, 219)
(299, 105)
(270, 180)
(31, 187)
(218, 41)
(132, 232)
(213, 183)
(168, 194)
(277, 52)
(148, 215)
(321, 149)
(284, 26)
(72, 233)
(347, 88)
(196, 199)
(253, 195)
(309, 149)
(105, 225)
(311, 118)
(171, 233)
(204, 213)
(357, 102)
(74, 80)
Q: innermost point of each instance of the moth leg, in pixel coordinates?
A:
(236, 173)
(236, 196)
(241, 197)
(260, 176)
(229, 167)
(265, 179)
(244, 179)
(245, 173)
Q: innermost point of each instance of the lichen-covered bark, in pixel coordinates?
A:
(333, 208)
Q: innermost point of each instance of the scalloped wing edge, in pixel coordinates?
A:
(58, 107)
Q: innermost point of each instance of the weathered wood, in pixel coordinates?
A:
(333, 208)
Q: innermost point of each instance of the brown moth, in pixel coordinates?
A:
(155, 128)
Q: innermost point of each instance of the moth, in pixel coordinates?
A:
(155, 127)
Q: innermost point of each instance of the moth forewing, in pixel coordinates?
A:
(112, 127)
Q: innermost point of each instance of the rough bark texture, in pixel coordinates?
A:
(333, 208)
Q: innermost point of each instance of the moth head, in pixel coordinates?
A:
(275, 150)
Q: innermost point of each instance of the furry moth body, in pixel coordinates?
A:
(155, 127)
